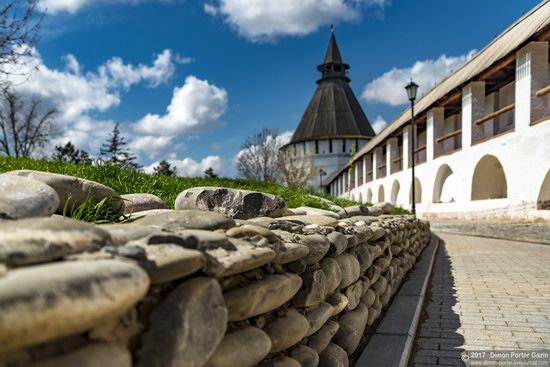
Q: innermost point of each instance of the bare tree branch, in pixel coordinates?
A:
(25, 126)
(19, 27)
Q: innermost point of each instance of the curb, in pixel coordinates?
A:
(393, 340)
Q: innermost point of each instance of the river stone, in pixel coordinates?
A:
(168, 262)
(287, 330)
(386, 207)
(123, 233)
(284, 362)
(350, 269)
(352, 324)
(176, 220)
(352, 240)
(318, 247)
(24, 198)
(296, 211)
(246, 256)
(353, 293)
(377, 233)
(318, 316)
(314, 289)
(197, 239)
(134, 203)
(35, 240)
(45, 302)
(243, 348)
(375, 212)
(93, 355)
(306, 356)
(290, 252)
(364, 256)
(311, 219)
(368, 298)
(333, 356)
(240, 204)
(380, 286)
(251, 230)
(356, 210)
(338, 301)
(261, 296)
(333, 272)
(338, 243)
(317, 211)
(319, 341)
(373, 274)
(148, 213)
(186, 327)
(74, 190)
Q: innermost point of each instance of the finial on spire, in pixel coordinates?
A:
(331, 28)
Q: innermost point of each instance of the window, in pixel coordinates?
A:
(330, 145)
(357, 144)
(316, 146)
(344, 145)
(304, 147)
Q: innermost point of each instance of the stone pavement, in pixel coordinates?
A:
(485, 294)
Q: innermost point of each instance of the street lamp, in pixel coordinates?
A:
(321, 174)
(412, 88)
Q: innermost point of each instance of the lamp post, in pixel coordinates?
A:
(412, 88)
(321, 174)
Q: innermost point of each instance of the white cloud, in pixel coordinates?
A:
(151, 146)
(390, 87)
(80, 96)
(197, 105)
(75, 93)
(188, 167)
(127, 75)
(261, 20)
(379, 124)
(73, 6)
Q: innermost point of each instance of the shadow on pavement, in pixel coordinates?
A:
(437, 340)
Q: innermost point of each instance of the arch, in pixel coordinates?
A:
(361, 197)
(543, 201)
(369, 196)
(489, 180)
(395, 192)
(444, 185)
(381, 194)
(417, 191)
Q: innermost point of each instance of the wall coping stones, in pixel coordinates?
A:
(64, 298)
(72, 189)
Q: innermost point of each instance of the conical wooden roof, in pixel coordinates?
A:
(334, 111)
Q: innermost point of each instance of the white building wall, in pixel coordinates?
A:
(523, 152)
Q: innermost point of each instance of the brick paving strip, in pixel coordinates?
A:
(485, 294)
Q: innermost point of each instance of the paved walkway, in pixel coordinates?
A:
(485, 294)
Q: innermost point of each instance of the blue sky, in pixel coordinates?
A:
(227, 68)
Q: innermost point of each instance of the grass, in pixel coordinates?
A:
(127, 181)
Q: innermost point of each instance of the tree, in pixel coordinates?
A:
(25, 124)
(114, 150)
(165, 169)
(209, 172)
(68, 153)
(258, 156)
(18, 35)
(296, 170)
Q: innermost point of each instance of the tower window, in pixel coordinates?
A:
(330, 145)
(343, 145)
(316, 146)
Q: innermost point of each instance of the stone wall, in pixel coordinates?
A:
(198, 288)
